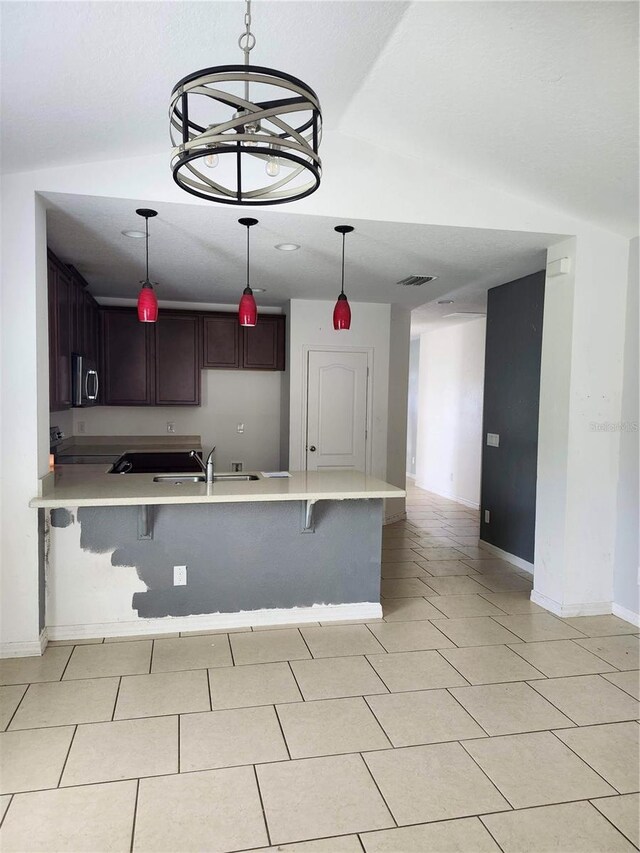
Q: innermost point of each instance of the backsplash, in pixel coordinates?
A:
(229, 398)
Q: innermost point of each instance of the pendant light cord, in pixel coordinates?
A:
(146, 241)
(248, 256)
(342, 287)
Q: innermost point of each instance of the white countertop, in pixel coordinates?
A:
(91, 485)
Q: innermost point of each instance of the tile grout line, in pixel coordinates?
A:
(291, 670)
(17, 708)
(11, 796)
(610, 797)
(373, 779)
(484, 772)
(115, 703)
(135, 814)
(66, 758)
(584, 761)
(284, 737)
(489, 831)
(264, 813)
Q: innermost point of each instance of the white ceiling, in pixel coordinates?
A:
(197, 254)
(111, 66)
(537, 97)
(540, 98)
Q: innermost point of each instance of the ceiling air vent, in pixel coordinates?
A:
(417, 280)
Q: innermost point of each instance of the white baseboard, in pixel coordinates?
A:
(591, 608)
(399, 516)
(212, 621)
(624, 613)
(24, 650)
(449, 496)
(509, 558)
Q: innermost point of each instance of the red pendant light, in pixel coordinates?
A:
(342, 310)
(147, 299)
(247, 310)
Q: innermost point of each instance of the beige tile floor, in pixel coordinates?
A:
(468, 719)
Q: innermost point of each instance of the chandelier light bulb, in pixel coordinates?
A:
(211, 161)
(272, 168)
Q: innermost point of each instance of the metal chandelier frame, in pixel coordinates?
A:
(257, 129)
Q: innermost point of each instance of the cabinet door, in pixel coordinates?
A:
(177, 359)
(52, 272)
(221, 341)
(89, 332)
(64, 291)
(263, 344)
(126, 363)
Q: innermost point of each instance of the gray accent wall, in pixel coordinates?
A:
(511, 402)
(242, 556)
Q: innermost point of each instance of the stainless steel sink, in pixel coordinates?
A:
(178, 479)
(242, 478)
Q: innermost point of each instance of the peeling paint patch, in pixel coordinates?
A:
(61, 517)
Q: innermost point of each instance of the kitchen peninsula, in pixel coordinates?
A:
(264, 551)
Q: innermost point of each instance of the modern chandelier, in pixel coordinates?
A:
(147, 299)
(245, 134)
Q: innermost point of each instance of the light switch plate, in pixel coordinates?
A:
(487, 516)
(493, 439)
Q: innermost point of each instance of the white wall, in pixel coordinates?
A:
(626, 570)
(579, 464)
(399, 338)
(229, 397)
(451, 381)
(311, 325)
(412, 405)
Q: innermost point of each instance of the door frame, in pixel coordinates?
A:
(304, 420)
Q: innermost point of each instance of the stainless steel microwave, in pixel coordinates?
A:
(85, 384)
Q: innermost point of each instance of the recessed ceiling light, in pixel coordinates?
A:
(259, 289)
(445, 301)
(137, 235)
(287, 247)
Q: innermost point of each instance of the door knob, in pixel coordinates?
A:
(312, 448)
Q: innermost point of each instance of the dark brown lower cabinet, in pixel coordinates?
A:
(177, 359)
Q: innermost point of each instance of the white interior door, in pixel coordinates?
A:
(337, 386)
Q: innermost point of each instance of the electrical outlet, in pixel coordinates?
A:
(487, 516)
(171, 427)
(81, 427)
(236, 466)
(179, 575)
(493, 439)
(240, 428)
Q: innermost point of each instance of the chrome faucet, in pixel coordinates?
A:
(208, 468)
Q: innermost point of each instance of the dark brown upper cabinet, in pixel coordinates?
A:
(59, 300)
(177, 359)
(127, 359)
(221, 341)
(150, 364)
(228, 346)
(263, 345)
(73, 327)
